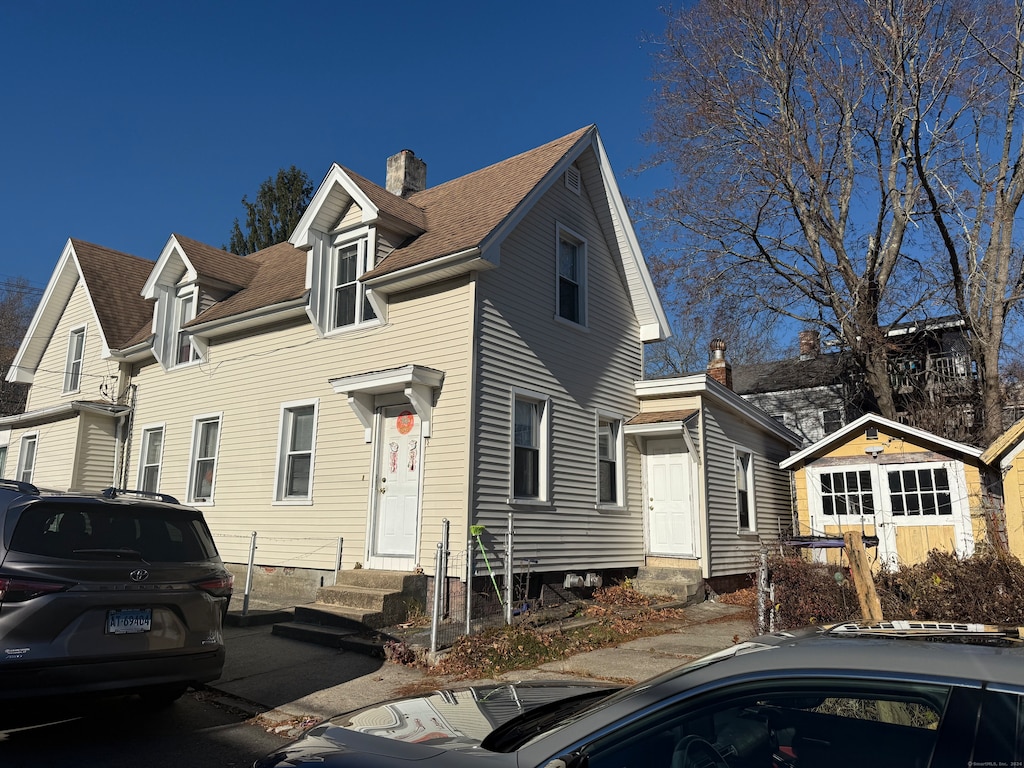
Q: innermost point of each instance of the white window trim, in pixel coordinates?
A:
(177, 328)
(196, 421)
(365, 240)
(34, 437)
(563, 232)
(146, 431)
(279, 499)
(76, 386)
(619, 448)
(814, 504)
(751, 490)
(959, 504)
(544, 448)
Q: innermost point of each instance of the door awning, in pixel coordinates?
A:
(418, 383)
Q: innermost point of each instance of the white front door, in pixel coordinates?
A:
(669, 504)
(397, 494)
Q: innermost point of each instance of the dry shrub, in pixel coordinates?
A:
(983, 588)
(810, 593)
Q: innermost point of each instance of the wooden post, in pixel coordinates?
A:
(870, 606)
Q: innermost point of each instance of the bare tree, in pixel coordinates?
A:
(18, 301)
(817, 151)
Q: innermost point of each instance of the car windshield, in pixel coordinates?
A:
(91, 531)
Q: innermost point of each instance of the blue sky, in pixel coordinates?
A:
(125, 122)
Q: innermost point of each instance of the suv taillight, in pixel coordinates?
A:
(13, 590)
(218, 585)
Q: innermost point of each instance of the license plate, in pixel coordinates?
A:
(129, 621)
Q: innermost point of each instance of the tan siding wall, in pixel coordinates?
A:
(248, 378)
(47, 387)
(521, 344)
(97, 447)
(730, 552)
(54, 452)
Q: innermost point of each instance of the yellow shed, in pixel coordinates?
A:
(1005, 455)
(913, 490)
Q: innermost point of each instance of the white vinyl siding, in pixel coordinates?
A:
(94, 466)
(295, 452)
(520, 346)
(203, 472)
(150, 457)
(76, 359)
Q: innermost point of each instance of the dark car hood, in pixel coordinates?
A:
(418, 727)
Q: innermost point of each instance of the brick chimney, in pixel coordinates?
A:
(718, 367)
(810, 347)
(406, 174)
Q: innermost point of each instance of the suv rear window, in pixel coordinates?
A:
(85, 531)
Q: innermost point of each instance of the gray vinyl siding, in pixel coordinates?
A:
(732, 552)
(521, 344)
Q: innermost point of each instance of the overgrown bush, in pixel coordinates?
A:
(983, 588)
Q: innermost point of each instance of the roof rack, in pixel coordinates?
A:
(926, 629)
(113, 493)
(20, 486)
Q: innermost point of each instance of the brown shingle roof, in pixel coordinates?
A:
(461, 213)
(392, 205)
(660, 417)
(279, 275)
(214, 263)
(115, 281)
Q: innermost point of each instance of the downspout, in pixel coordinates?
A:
(126, 425)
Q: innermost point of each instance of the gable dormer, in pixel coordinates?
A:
(349, 225)
(188, 278)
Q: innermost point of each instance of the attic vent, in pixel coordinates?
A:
(572, 178)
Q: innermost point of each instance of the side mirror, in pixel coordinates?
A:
(571, 760)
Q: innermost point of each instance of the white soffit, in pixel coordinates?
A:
(416, 382)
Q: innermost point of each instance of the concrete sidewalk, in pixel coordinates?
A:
(290, 683)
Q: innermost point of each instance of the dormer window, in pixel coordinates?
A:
(186, 310)
(349, 303)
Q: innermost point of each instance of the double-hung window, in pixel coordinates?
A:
(205, 441)
(27, 457)
(350, 304)
(529, 446)
(295, 461)
(609, 461)
(570, 295)
(746, 519)
(150, 458)
(185, 351)
(76, 357)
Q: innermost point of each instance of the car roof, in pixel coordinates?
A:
(957, 652)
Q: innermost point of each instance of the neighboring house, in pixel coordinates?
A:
(813, 394)
(914, 490)
(412, 355)
(933, 377)
(1006, 457)
(714, 488)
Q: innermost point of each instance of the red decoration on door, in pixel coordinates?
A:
(405, 422)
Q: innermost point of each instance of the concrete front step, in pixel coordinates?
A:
(384, 598)
(333, 637)
(685, 584)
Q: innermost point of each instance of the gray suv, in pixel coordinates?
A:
(121, 591)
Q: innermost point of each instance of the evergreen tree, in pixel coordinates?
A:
(270, 219)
